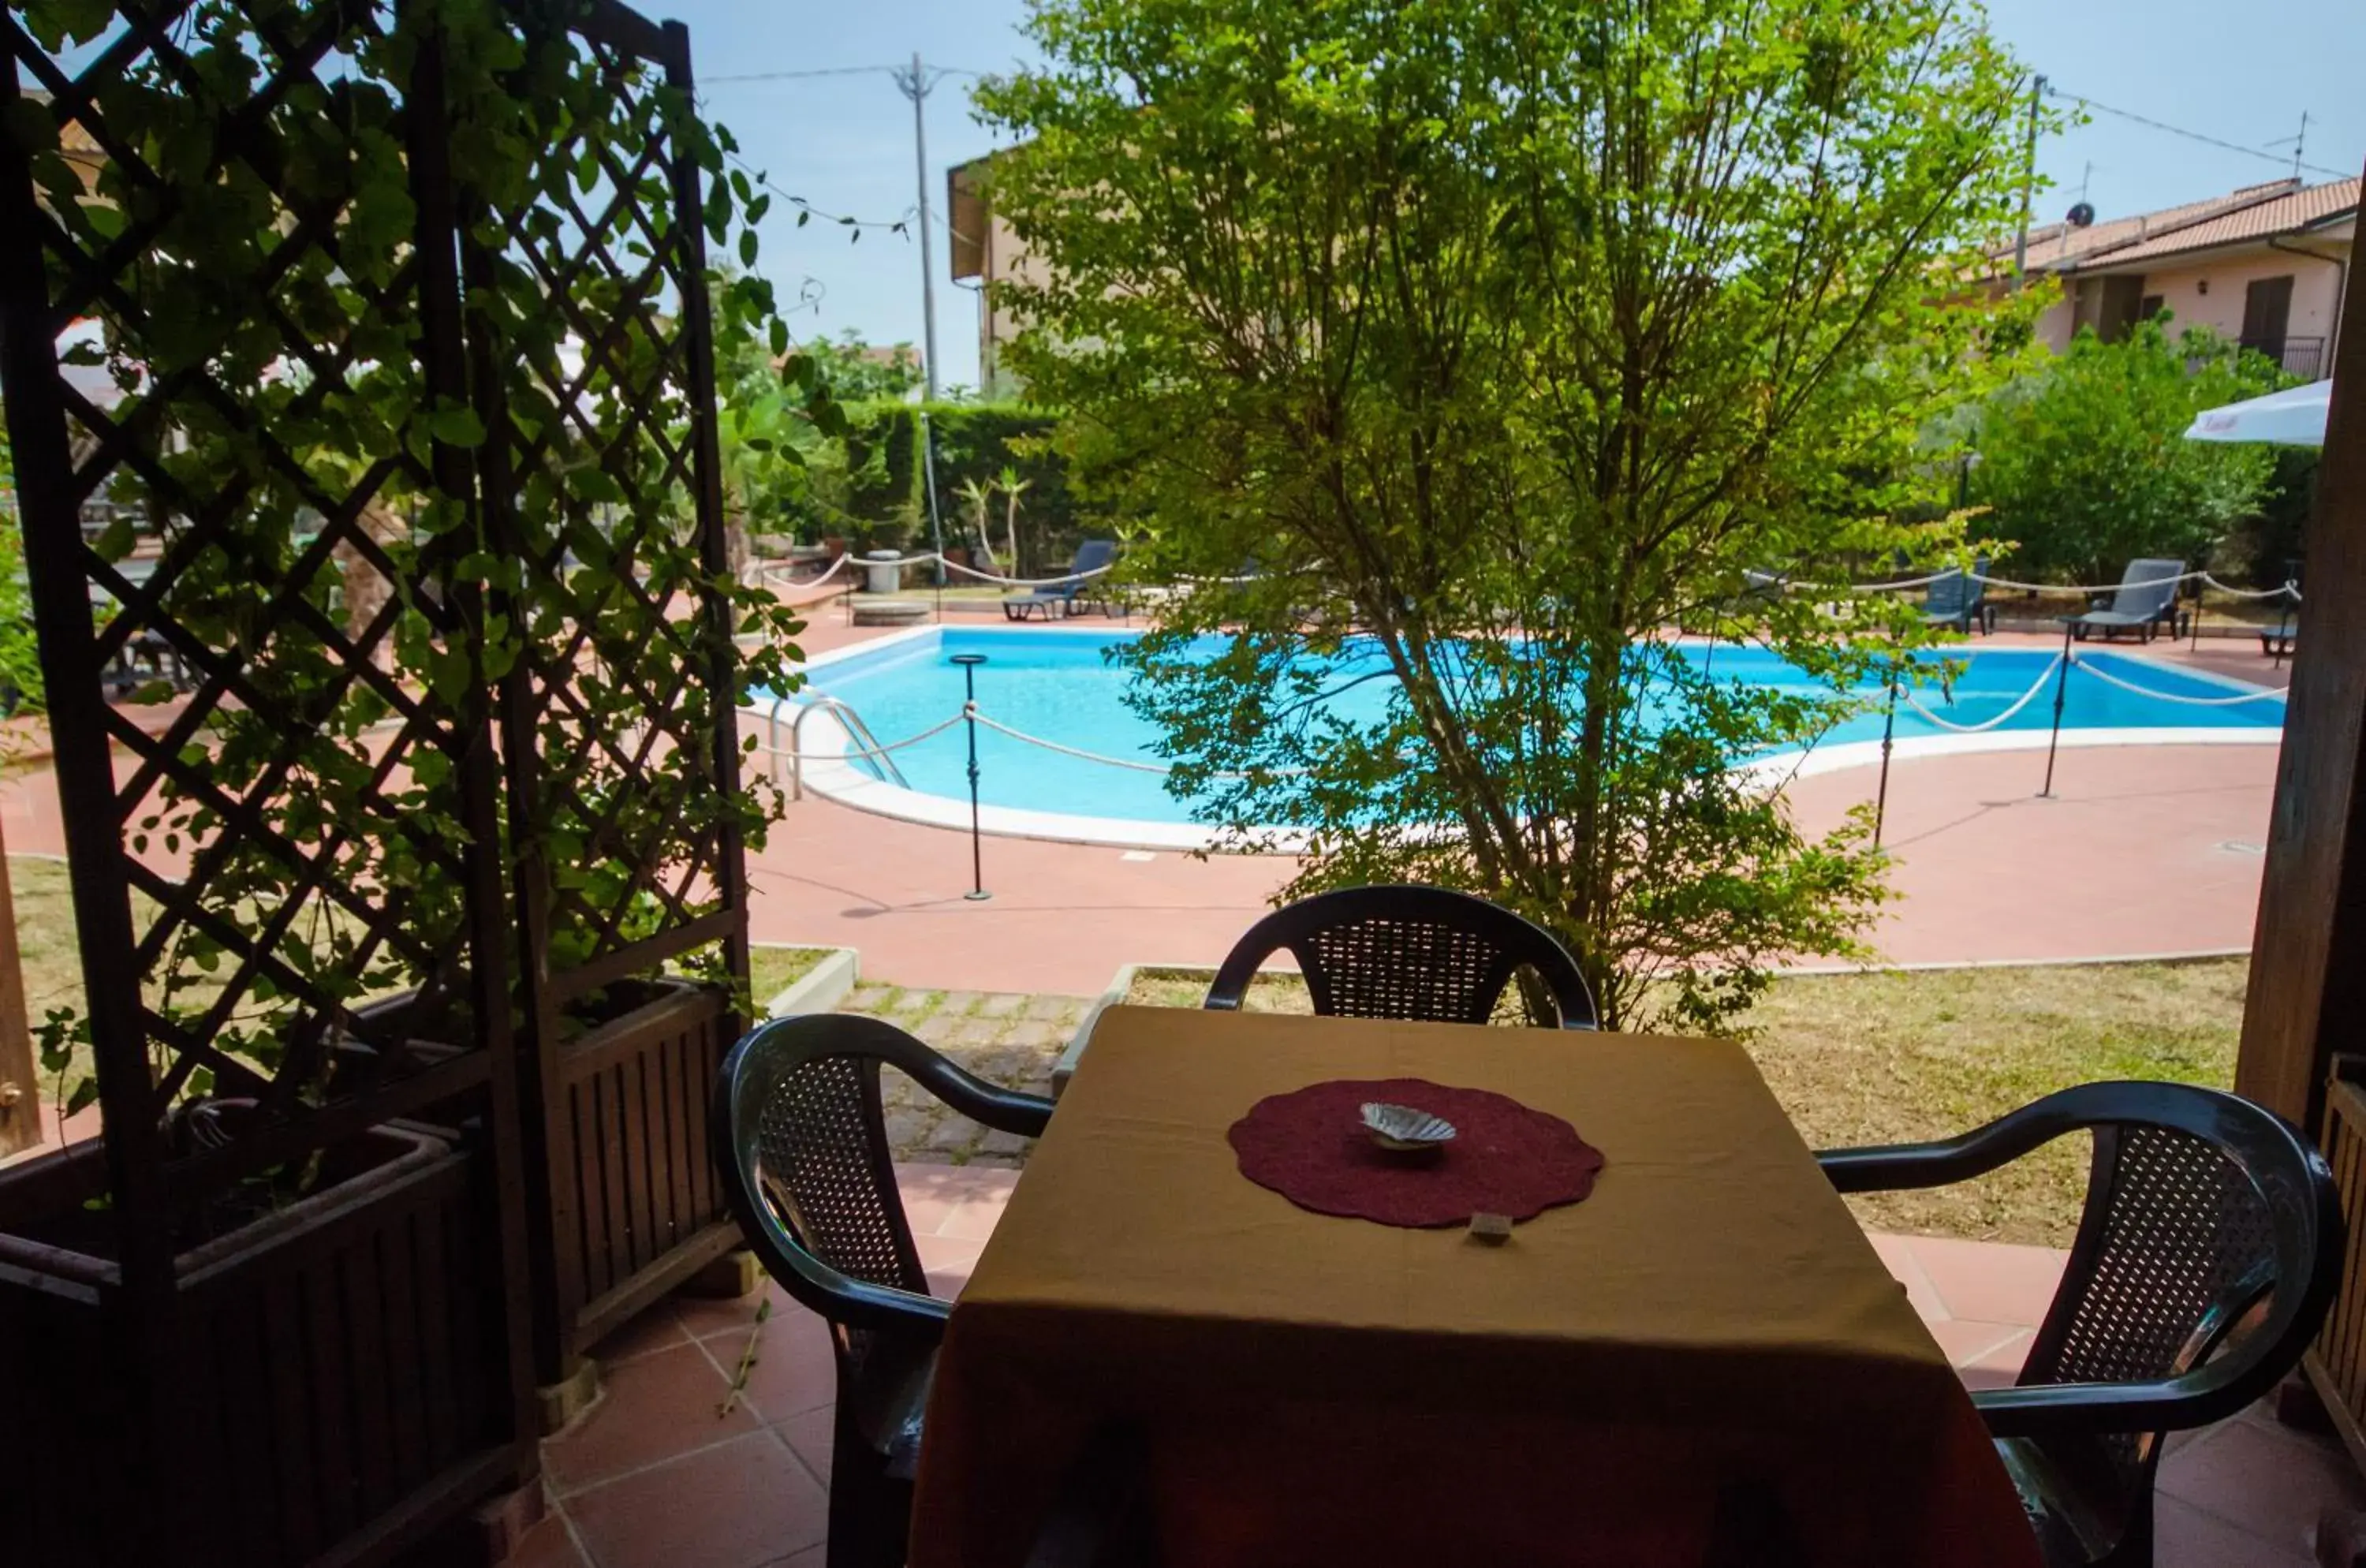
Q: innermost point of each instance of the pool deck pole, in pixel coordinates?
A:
(1888, 729)
(2061, 685)
(969, 664)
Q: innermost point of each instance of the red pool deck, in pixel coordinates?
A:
(654, 1476)
(2141, 850)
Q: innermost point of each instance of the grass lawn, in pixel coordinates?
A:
(771, 970)
(1897, 1058)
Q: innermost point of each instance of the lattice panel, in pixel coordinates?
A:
(1392, 967)
(2184, 1231)
(236, 286)
(602, 403)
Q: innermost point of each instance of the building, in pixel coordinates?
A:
(2264, 265)
(985, 251)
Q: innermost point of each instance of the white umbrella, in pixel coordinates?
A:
(2294, 417)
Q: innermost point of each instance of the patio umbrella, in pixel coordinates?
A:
(2294, 417)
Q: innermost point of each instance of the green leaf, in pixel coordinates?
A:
(456, 427)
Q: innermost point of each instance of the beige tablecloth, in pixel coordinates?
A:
(1706, 1343)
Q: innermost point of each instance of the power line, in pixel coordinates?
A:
(2085, 102)
(834, 71)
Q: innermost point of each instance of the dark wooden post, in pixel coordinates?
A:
(2308, 951)
(20, 1086)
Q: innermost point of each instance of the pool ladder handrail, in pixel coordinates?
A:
(849, 720)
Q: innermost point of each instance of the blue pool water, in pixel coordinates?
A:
(1055, 683)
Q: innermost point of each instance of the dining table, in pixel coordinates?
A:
(1702, 1361)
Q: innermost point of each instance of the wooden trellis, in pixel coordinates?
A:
(433, 745)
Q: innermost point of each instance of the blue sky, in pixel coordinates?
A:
(2241, 73)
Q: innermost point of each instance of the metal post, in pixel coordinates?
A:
(1888, 729)
(2061, 684)
(969, 664)
(916, 86)
(2028, 182)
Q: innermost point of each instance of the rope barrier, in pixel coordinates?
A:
(1072, 751)
(854, 748)
(1028, 581)
(2110, 680)
(1987, 723)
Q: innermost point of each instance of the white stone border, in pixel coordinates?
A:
(827, 773)
(819, 988)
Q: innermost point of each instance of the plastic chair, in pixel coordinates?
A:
(2209, 1251)
(1406, 951)
(807, 1168)
(2145, 602)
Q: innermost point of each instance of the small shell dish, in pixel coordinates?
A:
(1403, 1129)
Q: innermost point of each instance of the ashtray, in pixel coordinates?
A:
(1404, 1130)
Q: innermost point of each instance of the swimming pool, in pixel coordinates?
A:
(1055, 684)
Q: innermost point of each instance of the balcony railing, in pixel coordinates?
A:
(2301, 357)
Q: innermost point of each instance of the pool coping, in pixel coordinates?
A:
(826, 771)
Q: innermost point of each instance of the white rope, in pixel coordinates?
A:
(2289, 590)
(1098, 757)
(1988, 723)
(2107, 679)
(855, 750)
(1028, 581)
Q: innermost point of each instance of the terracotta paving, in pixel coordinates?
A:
(2143, 850)
(652, 1476)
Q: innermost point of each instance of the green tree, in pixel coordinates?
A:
(1498, 337)
(2084, 462)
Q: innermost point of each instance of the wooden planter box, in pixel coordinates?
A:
(637, 1208)
(333, 1379)
(2336, 1364)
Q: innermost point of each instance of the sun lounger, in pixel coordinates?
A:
(1060, 597)
(2145, 601)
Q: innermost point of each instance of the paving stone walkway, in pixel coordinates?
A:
(1008, 1038)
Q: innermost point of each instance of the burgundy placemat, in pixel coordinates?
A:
(1311, 1146)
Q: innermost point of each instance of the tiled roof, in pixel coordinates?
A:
(2253, 212)
(2289, 214)
(2053, 245)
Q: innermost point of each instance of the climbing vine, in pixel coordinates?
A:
(408, 334)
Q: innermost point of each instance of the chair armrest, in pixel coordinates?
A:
(1901, 1166)
(2167, 1404)
(1004, 1109)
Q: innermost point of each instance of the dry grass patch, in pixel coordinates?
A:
(771, 970)
(1889, 1058)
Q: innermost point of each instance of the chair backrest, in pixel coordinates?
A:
(2211, 1234)
(1406, 951)
(1091, 555)
(2147, 587)
(800, 1105)
(1956, 592)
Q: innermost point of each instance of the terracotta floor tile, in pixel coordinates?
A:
(652, 1408)
(1967, 1339)
(1990, 1281)
(2269, 1480)
(710, 1317)
(1998, 1367)
(2185, 1537)
(745, 1503)
(810, 1435)
(974, 1219)
(547, 1545)
(948, 1261)
(657, 1329)
(1898, 1256)
(795, 1369)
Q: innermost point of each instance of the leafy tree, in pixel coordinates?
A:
(1497, 337)
(2084, 460)
(857, 372)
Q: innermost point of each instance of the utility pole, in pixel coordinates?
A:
(2028, 181)
(916, 85)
